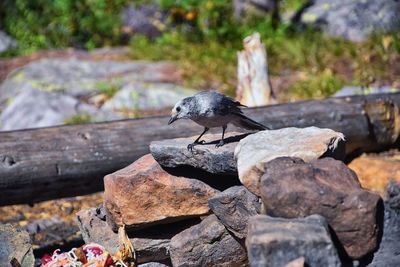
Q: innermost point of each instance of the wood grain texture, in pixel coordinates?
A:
(55, 162)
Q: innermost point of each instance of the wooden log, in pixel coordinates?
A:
(253, 87)
(47, 163)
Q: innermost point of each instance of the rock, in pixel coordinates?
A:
(299, 262)
(354, 20)
(34, 108)
(388, 252)
(77, 77)
(234, 207)
(278, 241)
(375, 171)
(145, 19)
(251, 8)
(154, 247)
(362, 90)
(308, 144)
(173, 153)
(6, 42)
(142, 96)
(291, 188)
(143, 194)
(153, 264)
(15, 243)
(207, 244)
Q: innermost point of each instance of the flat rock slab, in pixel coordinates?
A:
(15, 243)
(207, 244)
(94, 228)
(279, 242)
(308, 144)
(173, 153)
(234, 207)
(143, 194)
(291, 188)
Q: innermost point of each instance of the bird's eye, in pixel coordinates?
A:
(178, 109)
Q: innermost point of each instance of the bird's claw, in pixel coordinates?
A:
(192, 145)
(221, 143)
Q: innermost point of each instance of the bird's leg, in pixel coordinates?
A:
(221, 142)
(197, 142)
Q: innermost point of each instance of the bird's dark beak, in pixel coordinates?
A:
(172, 119)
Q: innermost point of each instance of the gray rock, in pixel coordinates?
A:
(15, 243)
(95, 229)
(291, 188)
(152, 264)
(278, 241)
(173, 153)
(34, 108)
(361, 90)
(246, 8)
(308, 144)
(388, 252)
(234, 207)
(354, 20)
(77, 77)
(142, 96)
(207, 244)
(6, 42)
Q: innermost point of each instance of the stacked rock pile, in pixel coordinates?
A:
(274, 198)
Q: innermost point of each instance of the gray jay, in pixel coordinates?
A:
(212, 109)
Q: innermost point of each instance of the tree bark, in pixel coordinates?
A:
(254, 87)
(47, 163)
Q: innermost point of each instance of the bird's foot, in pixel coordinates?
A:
(221, 143)
(192, 145)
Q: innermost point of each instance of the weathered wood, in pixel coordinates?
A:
(41, 164)
(253, 87)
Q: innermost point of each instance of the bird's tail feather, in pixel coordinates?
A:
(245, 122)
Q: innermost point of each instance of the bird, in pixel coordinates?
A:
(212, 109)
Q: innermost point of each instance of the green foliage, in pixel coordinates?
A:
(80, 118)
(109, 88)
(41, 24)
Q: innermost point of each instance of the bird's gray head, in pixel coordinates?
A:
(181, 110)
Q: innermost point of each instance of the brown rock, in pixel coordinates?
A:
(143, 194)
(308, 144)
(292, 188)
(207, 244)
(375, 171)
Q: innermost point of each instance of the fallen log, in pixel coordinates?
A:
(54, 162)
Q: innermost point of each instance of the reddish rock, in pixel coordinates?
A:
(143, 194)
(291, 188)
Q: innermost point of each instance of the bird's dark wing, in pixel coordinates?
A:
(225, 105)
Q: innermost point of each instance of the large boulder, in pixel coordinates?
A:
(207, 244)
(143, 194)
(15, 245)
(146, 96)
(173, 153)
(234, 207)
(354, 20)
(278, 242)
(33, 108)
(308, 144)
(291, 188)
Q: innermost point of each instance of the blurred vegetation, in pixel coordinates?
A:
(81, 118)
(203, 37)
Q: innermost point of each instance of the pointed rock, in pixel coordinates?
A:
(234, 207)
(143, 194)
